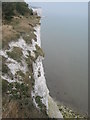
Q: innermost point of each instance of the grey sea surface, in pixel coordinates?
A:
(64, 37)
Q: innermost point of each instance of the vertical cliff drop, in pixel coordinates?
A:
(40, 87)
(24, 90)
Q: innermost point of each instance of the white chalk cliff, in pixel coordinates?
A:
(40, 87)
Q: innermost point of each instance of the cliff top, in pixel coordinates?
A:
(18, 20)
(19, 51)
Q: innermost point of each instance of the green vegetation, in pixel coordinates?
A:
(19, 20)
(69, 113)
(5, 69)
(28, 38)
(38, 101)
(4, 86)
(40, 104)
(20, 94)
(20, 73)
(30, 57)
(9, 34)
(38, 52)
(10, 9)
(23, 9)
(15, 54)
(4, 66)
(18, 90)
(29, 63)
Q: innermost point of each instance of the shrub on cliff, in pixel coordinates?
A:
(22, 8)
(9, 9)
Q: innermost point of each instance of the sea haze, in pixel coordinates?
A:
(64, 36)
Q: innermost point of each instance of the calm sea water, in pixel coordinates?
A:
(64, 36)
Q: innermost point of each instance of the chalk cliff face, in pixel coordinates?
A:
(40, 87)
(24, 89)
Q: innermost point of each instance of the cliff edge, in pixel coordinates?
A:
(24, 90)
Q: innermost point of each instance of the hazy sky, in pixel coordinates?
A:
(63, 8)
(56, 0)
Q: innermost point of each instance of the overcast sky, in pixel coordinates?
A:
(57, 0)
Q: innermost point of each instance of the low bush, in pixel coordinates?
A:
(16, 54)
(9, 9)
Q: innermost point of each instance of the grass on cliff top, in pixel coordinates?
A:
(20, 24)
(9, 9)
(17, 100)
(19, 27)
(8, 34)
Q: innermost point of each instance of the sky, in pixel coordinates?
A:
(46, 0)
(57, 0)
(67, 8)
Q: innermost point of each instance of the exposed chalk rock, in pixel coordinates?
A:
(40, 87)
